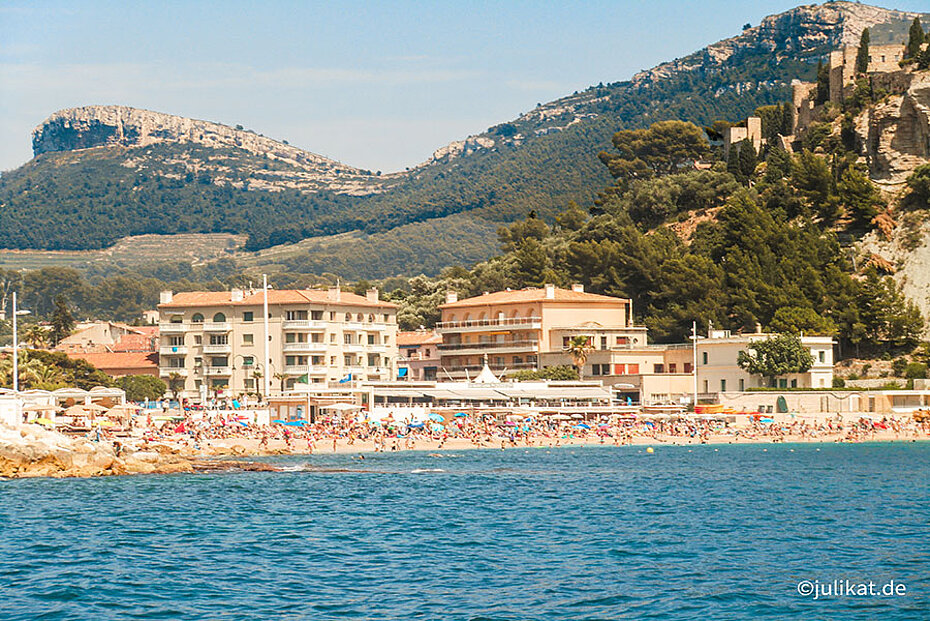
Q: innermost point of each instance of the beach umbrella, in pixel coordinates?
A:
(581, 426)
(41, 408)
(44, 421)
(436, 417)
(278, 421)
(560, 417)
(239, 422)
(341, 407)
(577, 416)
(461, 415)
(95, 407)
(296, 423)
(75, 410)
(415, 425)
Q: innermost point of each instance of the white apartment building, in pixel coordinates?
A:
(211, 342)
(718, 370)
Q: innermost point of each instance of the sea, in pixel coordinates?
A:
(768, 531)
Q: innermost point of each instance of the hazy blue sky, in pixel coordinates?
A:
(378, 85)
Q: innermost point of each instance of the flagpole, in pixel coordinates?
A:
(694, 337)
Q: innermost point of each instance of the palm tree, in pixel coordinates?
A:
(578, 348)
(36, 336)
(175, 382)
(257, 376)
(281, 377)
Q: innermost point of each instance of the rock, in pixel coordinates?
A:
(895, 133)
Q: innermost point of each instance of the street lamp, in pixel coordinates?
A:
(16, 313)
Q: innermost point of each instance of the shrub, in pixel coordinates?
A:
(915, 370)
(897, 366)
(839, 382)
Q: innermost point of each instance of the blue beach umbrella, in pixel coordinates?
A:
(415, 425)
(581, 426)
(278, 421)
(461, 415)
(436, 417)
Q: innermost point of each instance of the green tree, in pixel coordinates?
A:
(797, 320)
(142, 387)
(775, 356)
(62, 320)
(578, 348)
(747, 159)
(556, 373)
(862, 54)
(919, 185)
(664, 148)
(915, 39)
(857, 194)
(35, 335)
(823, 84)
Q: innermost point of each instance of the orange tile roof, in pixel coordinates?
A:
(111, 361)
(134, 342)
(522, 296)
(418, 337)
(193, 299)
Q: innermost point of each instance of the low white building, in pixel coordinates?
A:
(718, 370)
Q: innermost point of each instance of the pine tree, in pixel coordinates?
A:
(915, 39)
(747, 158)
(862, 56)
(62, 320)
(823, 83)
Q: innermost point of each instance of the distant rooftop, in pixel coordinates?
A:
(542, 294)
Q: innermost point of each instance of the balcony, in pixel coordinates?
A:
(217, 326)
(307, 347)
(214, 371)
(173, 328)
(169, 371)
(499, 347)
(303, 324)
(479, 325)
(217, 349)
(172, 350)
(303, 369)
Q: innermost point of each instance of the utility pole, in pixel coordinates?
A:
(15, 350)
(267, 337)
(694, 363)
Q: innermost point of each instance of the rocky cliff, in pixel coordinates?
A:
(807, 31)
(120, 126)
(895, 133)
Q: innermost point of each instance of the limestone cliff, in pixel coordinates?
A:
(895, 133)
(805, 31)
(121, 126)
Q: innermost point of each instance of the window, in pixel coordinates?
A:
(248, 339)
(658, 368)
(248, 316)
(219, 361)
(742, 385)
(332, 337)
(198, 339)
(332, 315)
(603, 342)
(332, 361)
(373, 360)
(219, 339)
(316, 315)
(219, 318)
(316, 361)
(248, 361)
(176, 341)
(673, 368)
(619, 369)
(622, 340)
(688, 367)
(632, 369)
(347, 338)
(359, 318)
(371, 318)
(723, 385)
(822, 356)
(299, 315)
(348, 316)
(249, 383)
(347, 359)
(783, 383)
(316, 337)
(794, 382)
(704, 357)
(198, 361)
(197, 318)
(371, 339)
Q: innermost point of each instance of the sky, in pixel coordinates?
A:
(377, 85)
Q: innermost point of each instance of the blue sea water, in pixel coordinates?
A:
(704, 532)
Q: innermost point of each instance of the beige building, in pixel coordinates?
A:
(734, 135)
(882, 58)
(212, 341)
(529, 328)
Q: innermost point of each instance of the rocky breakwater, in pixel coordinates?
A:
(33, 451)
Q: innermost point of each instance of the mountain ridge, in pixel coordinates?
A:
(538, 162)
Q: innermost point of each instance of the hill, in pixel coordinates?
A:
(105, 173)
